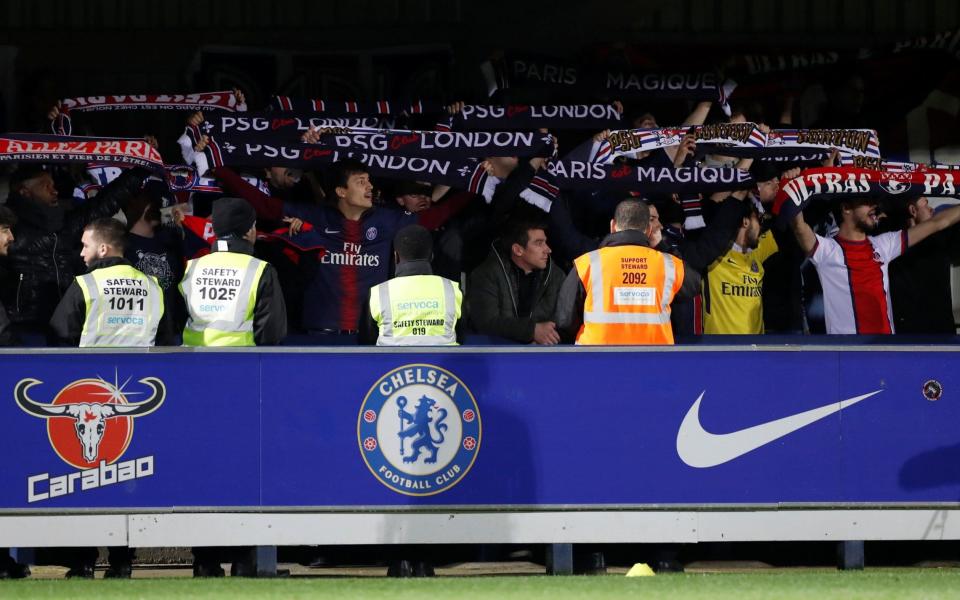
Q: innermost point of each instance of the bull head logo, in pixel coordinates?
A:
(90, 418)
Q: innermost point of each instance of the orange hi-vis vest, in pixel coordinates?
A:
(629, 290)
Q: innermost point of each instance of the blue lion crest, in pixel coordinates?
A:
(419, 429)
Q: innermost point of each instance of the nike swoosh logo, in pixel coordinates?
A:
(328, 231)
(701, 449)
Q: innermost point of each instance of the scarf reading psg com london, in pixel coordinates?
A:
(220, 101)
(66, 149)
(837, 183)
(463, 173)
(288, 126)
(455, 144)
(530, 117)
(400, 142)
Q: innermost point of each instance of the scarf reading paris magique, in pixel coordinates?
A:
(519, 71)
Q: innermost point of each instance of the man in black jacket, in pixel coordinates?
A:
(44, 258)
(513, 294)
(7, 221)
(920, 278)
(9, 568)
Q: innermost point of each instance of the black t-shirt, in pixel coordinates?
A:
(158, 256)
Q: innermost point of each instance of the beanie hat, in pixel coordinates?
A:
(232, 216)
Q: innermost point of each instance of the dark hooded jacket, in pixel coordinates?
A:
(45, 255)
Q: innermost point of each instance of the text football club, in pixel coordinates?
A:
(90, 425)
(419, 430)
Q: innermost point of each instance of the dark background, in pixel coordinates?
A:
(365, 49)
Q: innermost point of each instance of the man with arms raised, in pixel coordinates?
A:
(852, 266)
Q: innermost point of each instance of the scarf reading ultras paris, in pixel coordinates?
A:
(837, 183)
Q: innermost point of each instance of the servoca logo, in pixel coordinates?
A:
(90, 425)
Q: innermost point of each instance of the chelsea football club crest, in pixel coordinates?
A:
(419, 430)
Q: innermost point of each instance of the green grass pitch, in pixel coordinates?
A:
(895, 584)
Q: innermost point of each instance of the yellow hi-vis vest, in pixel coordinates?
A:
(221, 293)
(124, 307)
(628, 294)
(417, 310)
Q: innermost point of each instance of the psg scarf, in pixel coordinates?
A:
(837, 183)
(525, 71)
(226, 101)
(397, 143)
(947, 42)
(464, 173)
(531, 117)
(456, 144)
(44, 148)
(288, 126)
(781, 145)
(200, 237)
(184, 178)
(879, 164)
(799, 142)
(653, 179)
(719, 137)
(328, 108)
(219, 101)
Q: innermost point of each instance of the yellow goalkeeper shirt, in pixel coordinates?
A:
(733, 290)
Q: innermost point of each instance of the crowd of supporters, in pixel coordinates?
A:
(850, 265)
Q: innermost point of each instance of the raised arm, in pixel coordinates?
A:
(699, 114)
(697, 117)
(939, 222)
(806, 238)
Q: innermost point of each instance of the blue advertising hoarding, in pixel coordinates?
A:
(464, 428)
